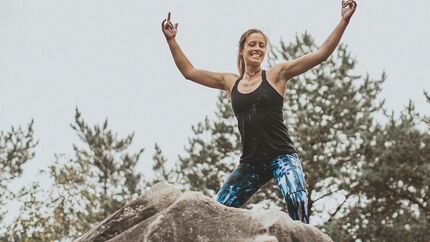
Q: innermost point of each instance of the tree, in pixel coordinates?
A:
(98, 180)
(393, 189)
(16, 148)
(162, 174)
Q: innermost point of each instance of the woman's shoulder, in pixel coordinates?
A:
(231, 78)
(274, 73)
(232, 75)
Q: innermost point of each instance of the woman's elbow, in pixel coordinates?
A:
(186, 76)
(322, 55)
(188, 73)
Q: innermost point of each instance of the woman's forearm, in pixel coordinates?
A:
(333, 40)
(181, 61)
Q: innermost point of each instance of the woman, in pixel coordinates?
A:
(257, 98)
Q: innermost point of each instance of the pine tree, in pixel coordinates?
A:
(98, 180)
(394, 186)
(16, 148)
(162, 174)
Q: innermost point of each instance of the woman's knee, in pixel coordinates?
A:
(298, 198)
(228, 198)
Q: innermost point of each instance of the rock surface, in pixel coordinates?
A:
(166, 214)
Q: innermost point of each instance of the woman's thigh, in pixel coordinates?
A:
(288, 174)
(242, 183)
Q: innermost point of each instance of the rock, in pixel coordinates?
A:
(166, 214)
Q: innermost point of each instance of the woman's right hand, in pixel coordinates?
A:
(168, 28)
(348, 9)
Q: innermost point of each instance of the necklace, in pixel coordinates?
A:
(253, 73)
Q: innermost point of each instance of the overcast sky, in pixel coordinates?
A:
(110, 59)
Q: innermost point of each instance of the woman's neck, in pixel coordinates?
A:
(251, 71)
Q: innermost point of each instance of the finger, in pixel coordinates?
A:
(168, 16)
(163, 24)
(170, 25)
(176, 26)
(351, 5)
(346, 3)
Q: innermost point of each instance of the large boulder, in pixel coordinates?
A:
(166, 214)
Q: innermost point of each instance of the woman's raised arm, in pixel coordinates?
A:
(300, 65)
(203, 77)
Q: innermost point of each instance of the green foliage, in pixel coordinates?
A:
(394, 185)
(16, 148)
(39, 218)
(162, 174)
(97, 181)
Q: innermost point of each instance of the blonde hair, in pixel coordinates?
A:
(242, 40)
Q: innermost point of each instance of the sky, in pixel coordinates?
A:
(110, 59)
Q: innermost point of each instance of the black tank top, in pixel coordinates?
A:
(261, 123)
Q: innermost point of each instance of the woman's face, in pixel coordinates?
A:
(254, 49)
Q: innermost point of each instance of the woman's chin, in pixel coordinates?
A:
(254, 62)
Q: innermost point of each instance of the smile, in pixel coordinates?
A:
(258, 54)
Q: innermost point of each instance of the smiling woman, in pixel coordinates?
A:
(256, 42)
(257, 98)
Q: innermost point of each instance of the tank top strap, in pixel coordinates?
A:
(263, 75)
(236, 83)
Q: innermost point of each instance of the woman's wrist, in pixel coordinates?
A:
(168, 39)
(345, 21)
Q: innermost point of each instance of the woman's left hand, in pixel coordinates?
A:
(348, 9)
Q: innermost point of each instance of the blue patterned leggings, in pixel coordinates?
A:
(287, 171)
